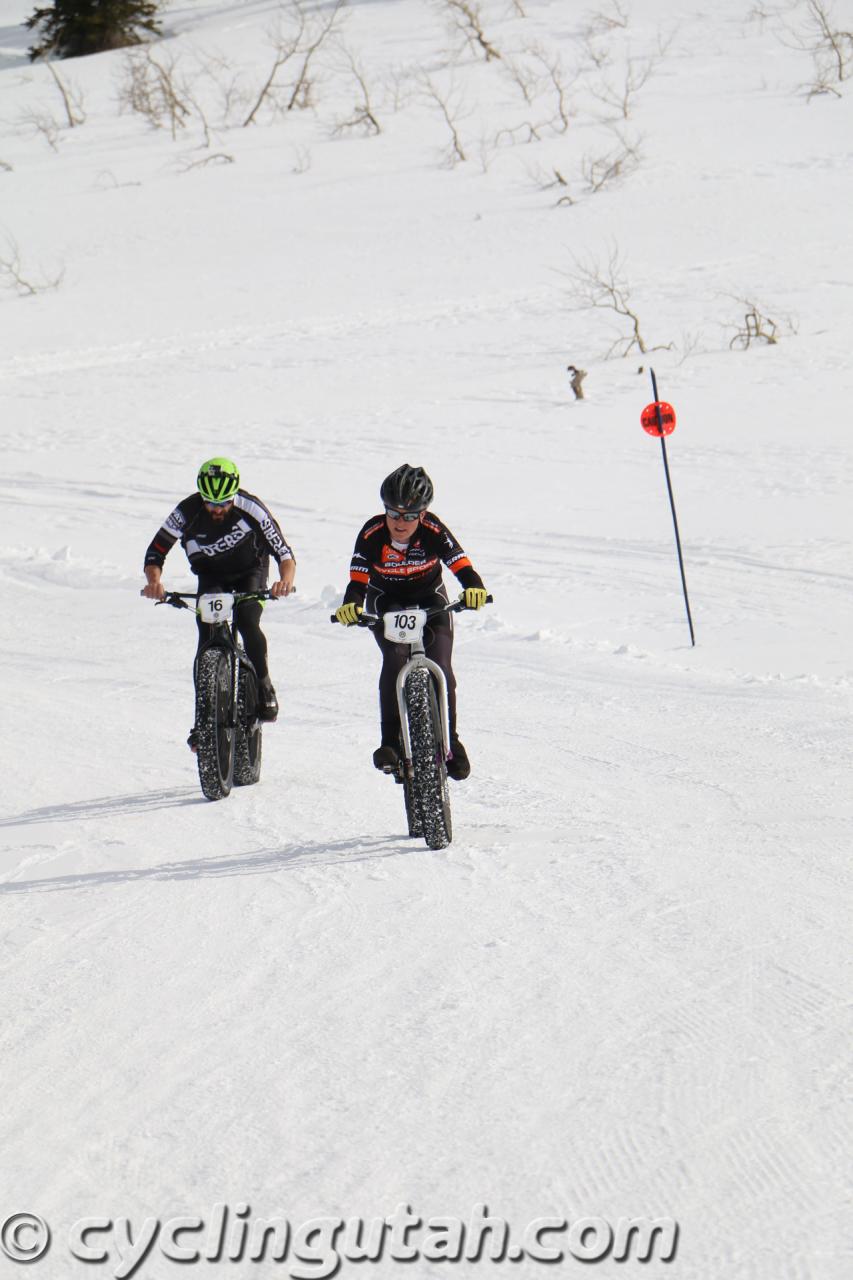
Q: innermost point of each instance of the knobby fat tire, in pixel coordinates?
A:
(430, 781)
(215, 754)
(413, 813)
(248, 747)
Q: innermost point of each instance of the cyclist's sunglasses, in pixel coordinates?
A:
(409, 516)
(223, 502)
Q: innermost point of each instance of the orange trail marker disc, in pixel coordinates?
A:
(658, 418)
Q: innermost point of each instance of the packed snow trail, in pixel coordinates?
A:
(620, 991)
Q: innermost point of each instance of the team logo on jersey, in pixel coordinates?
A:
(226, 543)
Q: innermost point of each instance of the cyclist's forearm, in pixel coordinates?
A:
(467, 576)
(355, 593)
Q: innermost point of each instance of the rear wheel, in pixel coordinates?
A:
(429, 785)
(247, 748)
(215, 754)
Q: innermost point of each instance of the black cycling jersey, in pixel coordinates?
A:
(406, 574)
(225, 549)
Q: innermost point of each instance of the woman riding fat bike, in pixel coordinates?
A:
(229, 537)
(397, 561)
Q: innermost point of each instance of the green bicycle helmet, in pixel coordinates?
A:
(218, 480)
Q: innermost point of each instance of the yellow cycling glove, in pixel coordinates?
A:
(475, 597)
(348, 614)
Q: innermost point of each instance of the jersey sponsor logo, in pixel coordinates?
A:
(266, 524)
(458, 561)
(273, 537)
(222, 545)
(175, 523)
(406, 570)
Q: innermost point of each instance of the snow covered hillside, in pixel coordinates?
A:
(620, 992)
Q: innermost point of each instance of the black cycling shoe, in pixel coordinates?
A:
(458, 766)
(192, 740)
(385, 759)
(267, 701)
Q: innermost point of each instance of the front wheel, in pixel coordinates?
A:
(429, 785)
(247, 749)
(213, 722)
(413, 809)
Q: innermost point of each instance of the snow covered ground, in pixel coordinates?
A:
(621, 990)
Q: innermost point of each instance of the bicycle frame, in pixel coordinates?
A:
(418, 658)
(223, 636)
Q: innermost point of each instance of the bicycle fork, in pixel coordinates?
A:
(421, 660)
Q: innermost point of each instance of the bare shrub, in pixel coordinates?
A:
(363, 115)
(232, 98)
(72, 98)
(620, 98)
(613, 17)
(549, 181)
(186, 163)
(285, 48)
(597, 287)
(154, 89)
(524, 132)
(12, 273)
(756, 327)
(468, 21)
(302, 41)
(317, 35)
(449, 105)
(831, 48)
(555, 74)
(301, 160)
(819, 35)
(523, 77)
(400, 87)
(542, 74)
(44, 124)
(621, 161)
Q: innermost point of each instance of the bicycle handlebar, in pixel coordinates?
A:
(456, 606)
(177, 598)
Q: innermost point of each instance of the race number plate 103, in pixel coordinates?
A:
(215, 608)
(405, 626)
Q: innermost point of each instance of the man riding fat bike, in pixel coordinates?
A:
(397, 564)
(229, 536)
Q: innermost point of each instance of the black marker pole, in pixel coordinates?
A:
(661, 431)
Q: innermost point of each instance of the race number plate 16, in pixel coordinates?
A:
(405, 626)
(215, 608)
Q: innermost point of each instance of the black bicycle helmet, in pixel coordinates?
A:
(407, 489)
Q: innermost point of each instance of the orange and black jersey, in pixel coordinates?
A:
(406, 574)
(229, 548)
